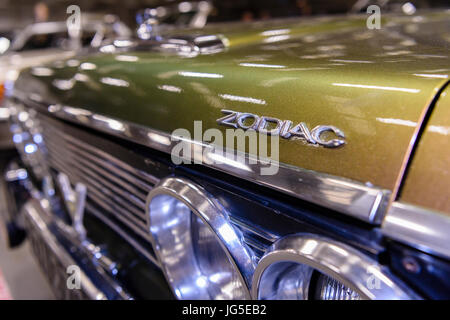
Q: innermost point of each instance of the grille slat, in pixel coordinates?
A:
(113, 185)
(110, 204)
(75, 159)
(94, 181)
(50, 132)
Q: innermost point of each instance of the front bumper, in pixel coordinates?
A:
(53, 258)
(98, 266)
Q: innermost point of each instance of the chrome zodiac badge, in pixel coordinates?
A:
(283, 128)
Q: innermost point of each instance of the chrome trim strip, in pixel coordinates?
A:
(418, 227)
(361, 201)
(31, 209)
(349, 266)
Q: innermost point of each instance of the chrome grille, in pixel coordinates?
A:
(116, 187)
(113, 185)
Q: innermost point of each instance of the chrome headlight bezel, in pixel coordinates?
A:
(347, 265)
(215, 218)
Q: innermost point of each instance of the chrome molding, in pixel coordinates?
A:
(185, 46)
(33, 210)
(418, 227)
(283, 128)
(361, 201)
(215, 218)
(349, 266)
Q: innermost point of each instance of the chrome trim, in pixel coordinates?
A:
(418, 227)
(349, 266)
(150, 19)
(112, 184)
(75, 201)
(214, 216)
(283, 128)
(32, 210)
(185, 46)
(103, 265)
(361, 201)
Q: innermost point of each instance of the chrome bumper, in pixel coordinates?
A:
(53, 257)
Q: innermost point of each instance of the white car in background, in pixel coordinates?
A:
(45, 42)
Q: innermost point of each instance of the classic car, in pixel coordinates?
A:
(43, 42)
(120, 181)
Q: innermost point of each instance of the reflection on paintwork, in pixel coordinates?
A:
(440, 129)
(350, 61)
(72, 63)
(277, 32)
(170, 88)
(261, 65)
(114, 82)
(242, 99)
(62, 84)
(276, 39)
(398, 121)
(81, 77)
(200, 74)
(123, 43)
(88, 66)
(109, 48)
(441, 76)
(41, 71)
(127, 58)
(376, 87)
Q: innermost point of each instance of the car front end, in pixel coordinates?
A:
(120, 177)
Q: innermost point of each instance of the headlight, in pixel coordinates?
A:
(306, 266)
(329, 288)
(201, 254)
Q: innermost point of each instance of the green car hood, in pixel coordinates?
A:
(374, 85)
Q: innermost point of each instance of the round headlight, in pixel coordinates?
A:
(329, 288)
(305, 266)
(201, 253)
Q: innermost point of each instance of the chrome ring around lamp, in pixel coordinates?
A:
(201, 253)
(306, 266)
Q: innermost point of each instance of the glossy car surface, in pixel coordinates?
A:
(319, 71)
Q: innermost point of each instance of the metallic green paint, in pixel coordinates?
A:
(428, 181)
(372, 84)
